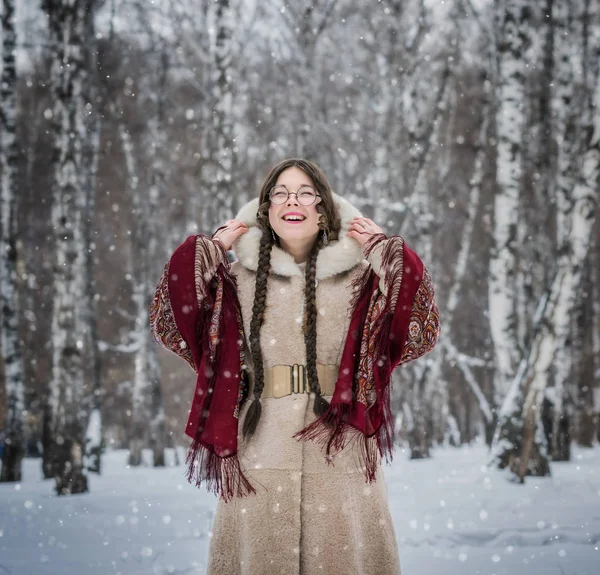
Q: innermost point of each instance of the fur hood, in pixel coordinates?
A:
(336, 257)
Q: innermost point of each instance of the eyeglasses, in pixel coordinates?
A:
(306, 195)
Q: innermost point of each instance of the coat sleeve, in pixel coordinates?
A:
(174, 309)
(408, 287)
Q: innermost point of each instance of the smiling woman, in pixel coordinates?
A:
(293, 345)
(295, 220)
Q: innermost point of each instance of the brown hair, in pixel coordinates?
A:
(330, 224)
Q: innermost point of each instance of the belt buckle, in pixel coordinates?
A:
(301, 378)
(298, 379)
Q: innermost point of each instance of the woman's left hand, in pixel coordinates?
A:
(362, 229)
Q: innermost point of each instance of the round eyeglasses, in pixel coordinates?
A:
(305, 194)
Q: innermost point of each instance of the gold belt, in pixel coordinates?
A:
(282, 380)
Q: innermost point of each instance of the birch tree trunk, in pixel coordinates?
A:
(219, 171)
(70, 22)
(513, 42)
(566, 45)
(13, 447)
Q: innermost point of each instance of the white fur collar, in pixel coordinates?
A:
(336, 257)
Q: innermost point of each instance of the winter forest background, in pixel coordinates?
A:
(470, 127)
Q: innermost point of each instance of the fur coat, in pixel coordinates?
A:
(310, 516)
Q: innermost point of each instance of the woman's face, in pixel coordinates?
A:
(294, 231)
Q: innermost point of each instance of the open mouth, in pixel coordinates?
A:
(293, 219)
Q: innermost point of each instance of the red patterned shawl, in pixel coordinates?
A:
(196, 314)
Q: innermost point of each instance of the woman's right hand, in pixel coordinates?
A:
(229, 232)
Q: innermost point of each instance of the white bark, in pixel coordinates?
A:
(69, 27)
(219, 172)
(567, 66)
(510, 119)
(14, 376)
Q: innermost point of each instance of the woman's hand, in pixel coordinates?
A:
(363, 229)
(229, 232)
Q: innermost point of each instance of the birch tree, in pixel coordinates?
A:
(513, 27)
(13, 447)
(517, 441)
(70, 22)
(567, 65)
(220, 167)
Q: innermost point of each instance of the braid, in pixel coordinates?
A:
(258, 312)
(310, 327)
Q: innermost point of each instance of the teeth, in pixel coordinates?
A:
(293, 218)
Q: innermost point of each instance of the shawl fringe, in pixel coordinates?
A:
(332, 431)
(221, 475)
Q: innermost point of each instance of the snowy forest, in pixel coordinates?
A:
(469, 127)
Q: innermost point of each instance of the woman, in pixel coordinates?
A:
(293, 345)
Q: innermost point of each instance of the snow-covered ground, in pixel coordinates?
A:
(452, 516)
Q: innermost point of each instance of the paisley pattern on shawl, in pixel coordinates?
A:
(213, 330)
(162, 321)
(424, 323)
(366, 392)
(243, 387)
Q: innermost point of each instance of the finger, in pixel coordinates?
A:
(355, 236)
(356, 231)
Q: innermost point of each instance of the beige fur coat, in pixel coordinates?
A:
(307, 517)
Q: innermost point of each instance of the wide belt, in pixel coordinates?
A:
(282, 380)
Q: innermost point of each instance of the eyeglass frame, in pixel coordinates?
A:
(317, 195)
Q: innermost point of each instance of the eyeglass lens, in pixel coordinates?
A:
(305, 194)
